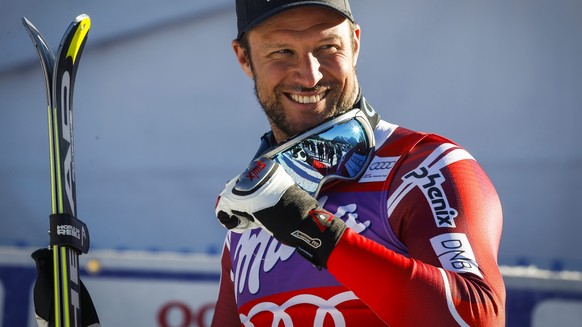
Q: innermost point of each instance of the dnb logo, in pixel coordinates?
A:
(455, 253)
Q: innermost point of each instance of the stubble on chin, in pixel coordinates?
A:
(338, 103)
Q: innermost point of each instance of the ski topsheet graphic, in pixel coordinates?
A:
(68, 235)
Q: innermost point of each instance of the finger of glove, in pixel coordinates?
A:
(244, 215)
(249, 220)
(232, 222)
(236, 223)
(229, 221)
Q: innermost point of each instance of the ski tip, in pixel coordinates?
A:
(27, 23)
(81, 17)
(80, 34)
(32, 31)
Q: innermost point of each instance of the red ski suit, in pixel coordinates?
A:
(421, 249)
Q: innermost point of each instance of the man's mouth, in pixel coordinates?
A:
(307, 99)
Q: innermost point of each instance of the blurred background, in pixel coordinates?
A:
(164, 116)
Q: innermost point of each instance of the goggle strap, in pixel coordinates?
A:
(371, 114)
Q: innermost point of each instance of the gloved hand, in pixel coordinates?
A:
(43, 294)
(266, 196)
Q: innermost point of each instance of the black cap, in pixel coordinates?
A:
(250, 13)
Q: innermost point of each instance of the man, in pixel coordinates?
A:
(402, 229)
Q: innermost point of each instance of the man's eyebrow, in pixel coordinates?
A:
(327, 38)
(276, 45)
(331, 36)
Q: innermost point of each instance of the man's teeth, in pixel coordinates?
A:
(307, 99)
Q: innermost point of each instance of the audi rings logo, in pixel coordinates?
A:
(382, 165)
(379, 169)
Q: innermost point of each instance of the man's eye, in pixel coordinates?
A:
(282, 51)
(329, 47)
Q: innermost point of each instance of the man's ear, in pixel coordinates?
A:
(243, 58)
(356, 45)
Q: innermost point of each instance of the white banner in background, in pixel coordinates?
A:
(164, 303)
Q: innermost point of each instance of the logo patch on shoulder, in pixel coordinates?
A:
(430, 182)
(379, 169)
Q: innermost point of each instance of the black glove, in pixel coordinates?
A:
(266, 196)
(44, 293)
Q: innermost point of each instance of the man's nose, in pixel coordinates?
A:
(308, 71)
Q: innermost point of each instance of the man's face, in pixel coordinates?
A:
(303, 64)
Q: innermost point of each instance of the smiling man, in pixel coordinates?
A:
(344, 219)
(303, 64)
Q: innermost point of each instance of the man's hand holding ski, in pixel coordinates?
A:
(266, 196)
(44, 293)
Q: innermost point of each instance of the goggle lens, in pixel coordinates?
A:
(337, 149)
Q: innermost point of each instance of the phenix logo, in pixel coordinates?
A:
(255, 172)
(431, 187)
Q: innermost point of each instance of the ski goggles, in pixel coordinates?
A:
(340, 149)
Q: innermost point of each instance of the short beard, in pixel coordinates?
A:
(276, 113)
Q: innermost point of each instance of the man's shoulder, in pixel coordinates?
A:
(391, 138)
